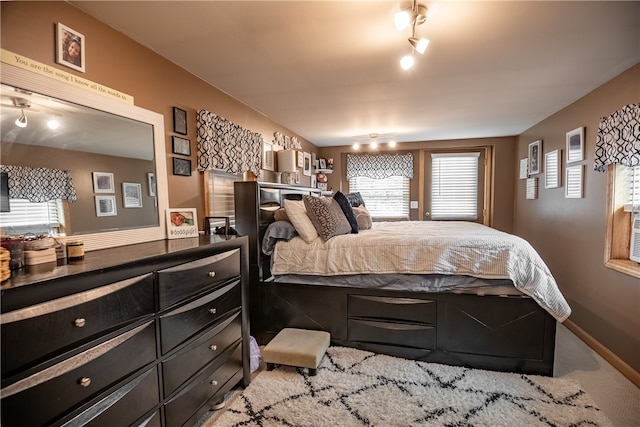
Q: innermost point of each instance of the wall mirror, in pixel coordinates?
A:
(97, 137)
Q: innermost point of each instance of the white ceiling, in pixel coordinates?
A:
(329, 70)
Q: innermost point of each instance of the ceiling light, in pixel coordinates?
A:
(373, 145)
(419, 44)
(355, 146)
(414, 16)
(21, 121)
(402, 19)
(53, 124)
(392, 143)
(406, 62)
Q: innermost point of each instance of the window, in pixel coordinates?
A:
(385, 198)
(32, 218)
(631, 188)
(219, 196)
(454, 186)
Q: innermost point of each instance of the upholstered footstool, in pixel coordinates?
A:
(301, 348)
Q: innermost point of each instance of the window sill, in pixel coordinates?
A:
(625, 266)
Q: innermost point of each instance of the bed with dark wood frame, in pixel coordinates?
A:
(496, 332)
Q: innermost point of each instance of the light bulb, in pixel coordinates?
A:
(406, 62)
(392, 143)
(374, 145)
(355, 146)
(53, 124)
(21, 121)
(402, 20)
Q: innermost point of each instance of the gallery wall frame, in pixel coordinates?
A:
(573, 182)
(552, 169)
(575, 145)
(306, 170)
(131, 195)
(151, 182)
(534, 157)
(179, 121)
(106, 206)
(267, 156)
(103, 182)
(180, 145)
(181, 167)
(70, 48)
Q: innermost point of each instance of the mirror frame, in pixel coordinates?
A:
(44, 85)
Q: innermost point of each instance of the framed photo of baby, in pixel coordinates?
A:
(70, 48)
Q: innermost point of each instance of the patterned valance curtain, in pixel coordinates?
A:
(379, 166)
(618, 140)
(39, 184)
(226, 146)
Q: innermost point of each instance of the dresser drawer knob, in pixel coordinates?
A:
(85, 381)
(212, 274)
(213, 347)
(213, 310)
(214, 383)
(79, 322)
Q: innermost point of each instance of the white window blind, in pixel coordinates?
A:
(220, 196)
(384, 198)
(454, 186)
(27, 217)
(632, 188)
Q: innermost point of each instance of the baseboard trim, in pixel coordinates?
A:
(608, 355)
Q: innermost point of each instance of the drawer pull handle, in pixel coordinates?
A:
(213, 310)
(214, 383)
(212, 274)
(79, 322)
(213, 347)
(85, 381)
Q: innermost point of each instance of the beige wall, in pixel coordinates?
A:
(569, 234)
(113, 60)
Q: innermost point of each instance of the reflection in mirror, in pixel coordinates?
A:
(93, 138)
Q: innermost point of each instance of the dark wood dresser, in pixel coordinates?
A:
(152, 334)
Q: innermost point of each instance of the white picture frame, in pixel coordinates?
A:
(131, 195)
(151, 182)
(268, 163)
(106, 206)
(306, 170)
(575, 145)
(181, 223)
(534, 157)
(70, 48)
(573, 182)
(524, 168)
(322, 163)
(552, 169)
(103, 182)
(300, 160)
(532, 188)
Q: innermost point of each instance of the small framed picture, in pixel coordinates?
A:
(182, 222)
(300, 159)
(179, 121)
(573, 182)
(106, 206)
(181, 145)
(307, 164)
(181, 166)
(103, 182)
(534, 157)
(322, 164)
(575, 145)
(267, 156)
(151, 179)
(313, 181)
(70, 48)
(131, 195)
(552, 169)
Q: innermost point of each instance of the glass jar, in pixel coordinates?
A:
(75, 250)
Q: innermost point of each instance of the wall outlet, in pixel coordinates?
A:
(413, 204)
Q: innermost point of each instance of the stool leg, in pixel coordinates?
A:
(270, 366)
(312, 372)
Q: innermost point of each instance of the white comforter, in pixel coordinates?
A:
(427, 247)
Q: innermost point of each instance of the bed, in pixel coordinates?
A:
(449, 292)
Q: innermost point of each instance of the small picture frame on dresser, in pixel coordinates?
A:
(181, 223)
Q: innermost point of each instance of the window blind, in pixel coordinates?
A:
(385, 198)
(454, 186)
(632, 188)
(27, 217)
(220, 196)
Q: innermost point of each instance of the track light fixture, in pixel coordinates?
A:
(412, 17)
(373, 141)
(21, 103)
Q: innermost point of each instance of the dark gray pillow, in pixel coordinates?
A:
(355, 199)
(327, 216)
(347, 210)
(277, 230)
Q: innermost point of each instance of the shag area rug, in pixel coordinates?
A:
(359, 388)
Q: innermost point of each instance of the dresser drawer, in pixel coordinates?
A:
(34, 334)
(403, 309)
(126, 405)
(56, 390)
(180, 324)
(392, 333)
(211, 382)
(185, 280)
(181, 366)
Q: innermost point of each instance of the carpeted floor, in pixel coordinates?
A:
(358, 388)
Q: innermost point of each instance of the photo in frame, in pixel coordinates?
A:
(181, 167)
(181, 223)
(131, 195)
(552, 169)
(181, 145)
(179, 121)
(573, 182)
(534, 157)
(524, 168)
(306, 170)
(300, 159)
(106, 206)
(322, 164)
(151, 180)
(267, 156)
(575, 145)
(70, 48)
(103, 182)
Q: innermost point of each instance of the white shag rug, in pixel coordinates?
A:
(359, 388)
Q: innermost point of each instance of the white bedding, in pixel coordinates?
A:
(427, 247)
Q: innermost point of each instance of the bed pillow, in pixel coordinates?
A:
(276, 231)
(363, 217)
(347, 210)
(297, 213)
(280, 215)
(326, 216)
(355, 199)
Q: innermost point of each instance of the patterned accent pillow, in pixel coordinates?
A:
(327, 217)
(347, 210)
(355, 199)
(363, 217)
(297, 214)
(281, 215)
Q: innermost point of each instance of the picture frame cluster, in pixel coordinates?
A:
(105, 198)
(180, 145)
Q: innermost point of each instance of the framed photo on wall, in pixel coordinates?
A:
(103, 182)
(307, 164)
(575, 145)
(181, 145)
(552, 169)
(70, 48)
(106, 206)
(131, 195)
(181, 166)
(534, 157)
(179, 121)
(151, 178)
(267, 156)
